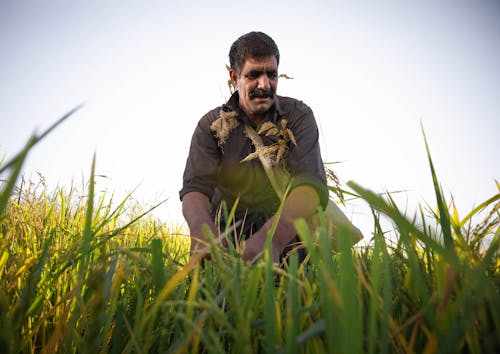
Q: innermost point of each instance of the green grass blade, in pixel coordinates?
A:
(16, 164)
(479, 208)
(88, 234)
(157, 265)
(249, 300)
(444, 217)
(316, 329)
(350, 319)
(376, 277)
(402, 223)
(29, 292)
(269, 302)
(292, 306)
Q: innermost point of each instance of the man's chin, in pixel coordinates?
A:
(262, 105)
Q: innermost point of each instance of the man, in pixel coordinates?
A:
(215, 171)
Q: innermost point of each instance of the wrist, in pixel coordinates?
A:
(284, 233)
(254, 245)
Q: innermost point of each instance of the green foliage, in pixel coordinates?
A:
(79, 274)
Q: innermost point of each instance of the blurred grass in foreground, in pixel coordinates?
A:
(78, 274)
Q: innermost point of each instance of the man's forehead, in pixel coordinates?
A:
(261, 63)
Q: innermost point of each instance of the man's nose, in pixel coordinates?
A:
(264, 83)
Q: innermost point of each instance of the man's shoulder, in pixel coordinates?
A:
(290, 105)
(206, 121)
(212, 114)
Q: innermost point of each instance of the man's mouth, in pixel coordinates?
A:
(261, 94)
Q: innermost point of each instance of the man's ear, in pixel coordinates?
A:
(233, 75)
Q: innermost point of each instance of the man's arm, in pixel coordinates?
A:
(196, 210)
(301, 202)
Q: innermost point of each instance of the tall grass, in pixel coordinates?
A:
(79, 274)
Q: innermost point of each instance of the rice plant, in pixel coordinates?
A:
(80, 272)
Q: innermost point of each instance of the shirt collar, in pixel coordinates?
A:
(233, 105)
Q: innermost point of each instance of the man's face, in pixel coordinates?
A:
(257, 83)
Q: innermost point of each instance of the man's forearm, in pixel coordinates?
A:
(300, 203)
(196, 210)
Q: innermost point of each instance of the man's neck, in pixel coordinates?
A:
(256, 119)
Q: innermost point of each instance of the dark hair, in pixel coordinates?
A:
(252, 45)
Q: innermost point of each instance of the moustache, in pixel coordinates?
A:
(261, 94)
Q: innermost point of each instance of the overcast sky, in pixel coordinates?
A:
(372, 71)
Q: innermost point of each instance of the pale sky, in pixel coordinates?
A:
(372, 71)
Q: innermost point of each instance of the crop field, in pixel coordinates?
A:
(82, 273)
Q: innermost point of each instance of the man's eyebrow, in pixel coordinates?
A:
(258, 72)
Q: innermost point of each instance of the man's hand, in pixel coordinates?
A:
(300, 203)
(196, 210)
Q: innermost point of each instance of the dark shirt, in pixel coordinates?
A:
(216, 171)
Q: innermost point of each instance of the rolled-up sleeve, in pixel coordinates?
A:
(304, 159)
(202, 165)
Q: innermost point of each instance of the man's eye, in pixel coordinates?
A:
(252, 76)
(272, 74)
